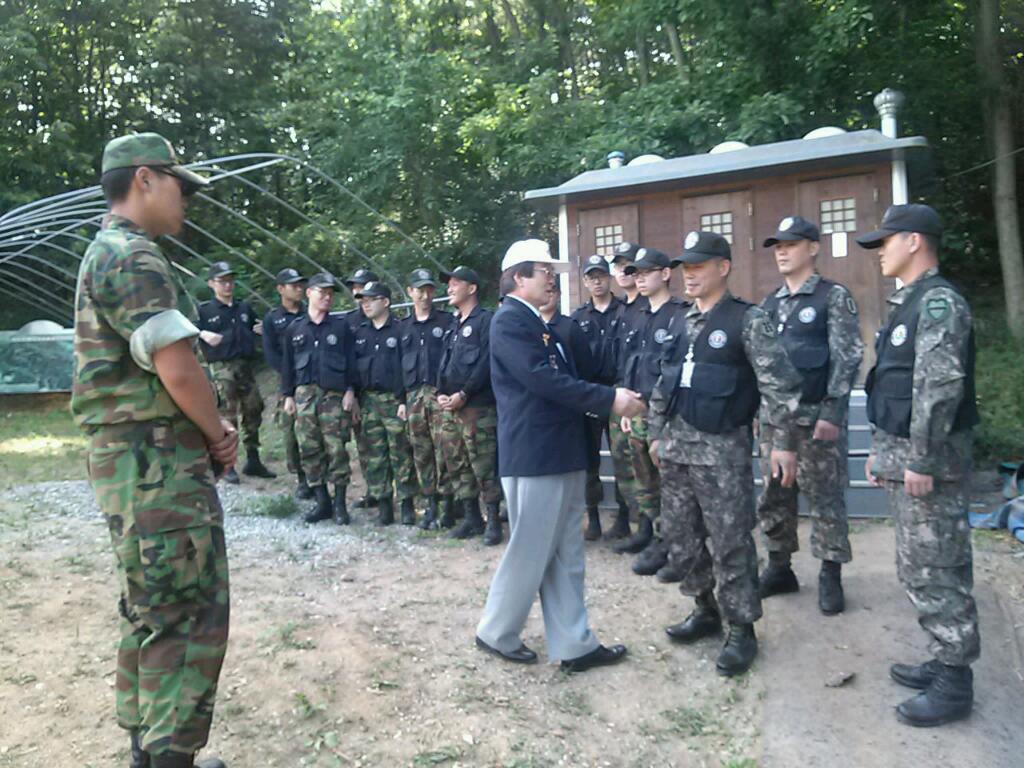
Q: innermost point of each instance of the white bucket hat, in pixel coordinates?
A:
(532, 250)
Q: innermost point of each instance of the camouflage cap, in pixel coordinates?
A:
(153, 151)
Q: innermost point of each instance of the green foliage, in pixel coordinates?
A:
(1000, 383)
(279, 505)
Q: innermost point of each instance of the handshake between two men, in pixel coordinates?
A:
(628, 403)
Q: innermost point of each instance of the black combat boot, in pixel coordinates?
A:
(493, 533)
(739, 650)
(830, 588)
(230, 477)
(593, 531)
(639, 540)
(322, 510)
(387, 511)
(704, 621)
(429, 521)
(254, 467)
(408, 512)
(178, 760)
(669, 573)
(652, 559)
(620, 528)
(138, 758)
(341, 516)
(918, 677)
(302, 490)
(447, 512)
(472, 523)
(365, 501)
(778, 578)
(949, 697)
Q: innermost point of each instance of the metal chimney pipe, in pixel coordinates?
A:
(888, 104)
(616, 159)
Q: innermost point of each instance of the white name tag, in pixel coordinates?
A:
(688, 365)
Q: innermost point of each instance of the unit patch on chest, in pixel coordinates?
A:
(718, 339)
(899, 335)
(807, 315)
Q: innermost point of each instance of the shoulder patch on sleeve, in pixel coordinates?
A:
(938, 308)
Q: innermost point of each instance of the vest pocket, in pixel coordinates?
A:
(812, 364)
(711, 391)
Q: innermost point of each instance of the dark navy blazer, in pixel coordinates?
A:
(541, 401)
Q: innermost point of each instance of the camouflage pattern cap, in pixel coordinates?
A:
(152, 150)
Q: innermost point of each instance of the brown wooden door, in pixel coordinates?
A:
(843, 207)
(729, 214)
(601, 229)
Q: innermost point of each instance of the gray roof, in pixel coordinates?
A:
(829, 151)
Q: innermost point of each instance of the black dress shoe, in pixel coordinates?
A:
(521, 655)
(601, 656)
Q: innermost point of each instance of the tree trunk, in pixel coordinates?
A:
(641, 57)
(999, 124)
(677, 49)
(513, 22)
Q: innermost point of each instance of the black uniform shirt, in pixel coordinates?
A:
(379, 357)
(422, 347)
(601, 330)
(466, 362)
(275, 328)
(235, 323)
(318, 353)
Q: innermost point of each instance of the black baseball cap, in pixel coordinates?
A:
(625, 251)
(461, 273)
(913, 217)
(361, 276)
(648, 258)
(219, 269)
(287, 276)
(699, 247)
(373, 289)
(596, 262)
(323, 280)
(420, 277)
(791, 229)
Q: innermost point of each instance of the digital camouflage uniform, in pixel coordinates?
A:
(933, 538)
(707, 480)
(150, 469)
(821, 473)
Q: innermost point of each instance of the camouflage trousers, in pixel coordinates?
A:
(323, 428)
(934, 562)
(646, 476)
(289, 435)
(717, 503)
(469, 441)
(622, 462)
(388, 456)
(423, 417)
(235, 382)
(594, 491)
(154, 486)
(822, 476)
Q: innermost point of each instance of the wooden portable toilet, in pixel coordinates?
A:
(842, 181)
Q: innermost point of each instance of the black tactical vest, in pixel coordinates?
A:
(890, 384)
(804, 336)
(723, 394)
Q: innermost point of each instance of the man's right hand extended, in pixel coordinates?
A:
(628, 403)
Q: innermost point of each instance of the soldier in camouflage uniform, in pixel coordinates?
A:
(291, 287)
(713, 368)
(228, 331)
(642, 347)
(922, 407)
(318, 384)
(382, 406)
(422, 344)
(469, 425)
(155, 439)
(818, 323)
(355, 317)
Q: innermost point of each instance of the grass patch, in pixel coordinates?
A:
(999, 378)
(686, 721)
(436, 757)
(40, 445)
(278, 505)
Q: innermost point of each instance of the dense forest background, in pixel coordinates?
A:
(438, 114)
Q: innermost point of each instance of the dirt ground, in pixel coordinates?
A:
(354, 647)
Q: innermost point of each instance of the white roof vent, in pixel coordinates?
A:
(727, 146)
(645, 160)
(40, 327)
(824, 131)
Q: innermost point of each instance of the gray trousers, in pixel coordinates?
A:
(545, 554)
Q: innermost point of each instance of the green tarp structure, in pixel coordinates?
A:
(36, 358)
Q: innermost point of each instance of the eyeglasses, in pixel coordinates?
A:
(544, 271)
(181, 182)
